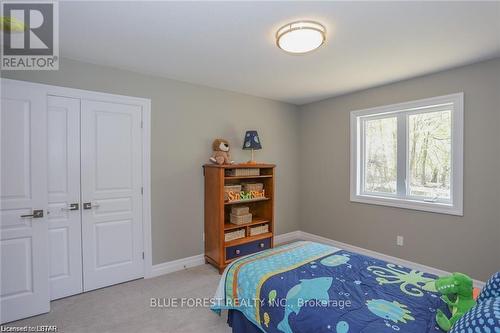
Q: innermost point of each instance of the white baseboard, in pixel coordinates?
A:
(410, 264)
(180, 264)
(176, 265)
(288, 237)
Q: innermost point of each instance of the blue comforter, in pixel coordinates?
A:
(311, 287)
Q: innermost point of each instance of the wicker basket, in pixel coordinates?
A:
(232, 235)
(261, 229)
(257, 187)
(243, 172)
(240, 210)
(231, 188)
(240, 219)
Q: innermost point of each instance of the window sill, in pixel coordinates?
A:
(434, 207)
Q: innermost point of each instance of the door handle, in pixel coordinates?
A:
(90, 205)
(73, 206)
(37, 213)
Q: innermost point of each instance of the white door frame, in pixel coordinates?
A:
(145, 103)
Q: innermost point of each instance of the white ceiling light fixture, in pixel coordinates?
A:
(300, 37)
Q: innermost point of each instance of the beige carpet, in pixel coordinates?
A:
(126, 307)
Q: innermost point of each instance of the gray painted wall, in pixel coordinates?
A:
(185, 120)
(471, 243)
(186, 117)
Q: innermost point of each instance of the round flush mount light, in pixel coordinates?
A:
(300, 37)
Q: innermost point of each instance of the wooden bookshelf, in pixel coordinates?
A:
(218, 252)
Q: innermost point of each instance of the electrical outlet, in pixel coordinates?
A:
(400, 240)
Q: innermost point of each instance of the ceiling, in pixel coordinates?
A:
(230, 45)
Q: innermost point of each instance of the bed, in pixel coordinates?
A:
(311, 287)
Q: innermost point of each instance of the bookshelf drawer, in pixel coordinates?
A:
(248, 248)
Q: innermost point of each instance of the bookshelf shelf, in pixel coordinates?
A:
(248, 177)
(245, 201)
(255, 221)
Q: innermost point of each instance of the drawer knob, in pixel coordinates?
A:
(261, 245)
(237, 251)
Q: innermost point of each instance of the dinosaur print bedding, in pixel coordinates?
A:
(311, 287)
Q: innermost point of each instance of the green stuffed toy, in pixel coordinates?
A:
(457, 293)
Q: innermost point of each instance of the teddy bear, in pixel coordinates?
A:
(220, 153)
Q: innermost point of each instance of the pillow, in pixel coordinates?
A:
(491, 289)
(484, 317)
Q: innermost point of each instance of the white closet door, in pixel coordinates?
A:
(65, 246)
(111, 193)
(24, 287)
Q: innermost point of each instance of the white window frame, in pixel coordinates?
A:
(402, 198)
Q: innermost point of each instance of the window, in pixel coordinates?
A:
(409, 155)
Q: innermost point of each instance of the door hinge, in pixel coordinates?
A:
(142, 124)
(142, 190)
(142, 255)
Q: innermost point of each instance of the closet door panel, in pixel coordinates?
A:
(111, 192)
(65, 270)
(24, 289)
